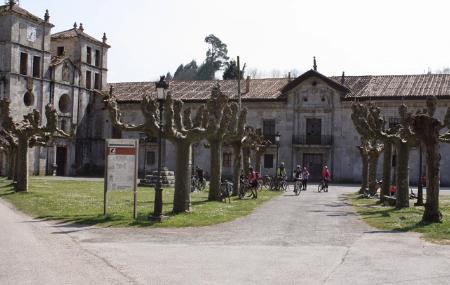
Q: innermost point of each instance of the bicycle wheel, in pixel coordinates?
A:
(272, 185)
(284, 186)
(297, 188)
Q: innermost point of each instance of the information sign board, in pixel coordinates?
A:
(121, 163)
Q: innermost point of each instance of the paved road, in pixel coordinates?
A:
(312, 239)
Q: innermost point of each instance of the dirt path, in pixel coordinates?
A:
(311, 239)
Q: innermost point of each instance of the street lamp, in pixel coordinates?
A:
(277, 141)
(161, 89)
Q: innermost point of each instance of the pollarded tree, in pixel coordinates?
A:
(368, 121)
(8, 145)
(363, 151)
(235, 137)
(219, 119)
(370, 148)
(374, 150)
(179, 129)
(29, 132)
(427, 129)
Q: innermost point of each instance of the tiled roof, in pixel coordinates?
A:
(383, 86)
(16, 9)
(397, 86)
(74, 33)
(259, 89)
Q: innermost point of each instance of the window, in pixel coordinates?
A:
(269, 130)
(226, 161)
(60, 51)
(97, 81)
(97, 58)
(150, 158)
(268, 161)
(66, 72)
(88, 79)
(23, 63)
(28, 99)
(393, 121)
(88, 55)
(36, 66)
(64, 103)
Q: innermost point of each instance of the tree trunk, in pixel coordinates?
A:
(258, 156)
(402, 200)
(216, 170)
(237, 163)
(432, 213)
(22, 165)
(372, 177)
(182, 196)
(246, 159)
(365, 170)
(387, 169)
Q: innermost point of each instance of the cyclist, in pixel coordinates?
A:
(305, 176)
(253, 181)
(297, 178)
(281, 172)
(326, 177)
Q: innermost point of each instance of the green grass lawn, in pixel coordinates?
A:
(404, 220)
(82, 202)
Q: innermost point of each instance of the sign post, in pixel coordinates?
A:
(121, 166)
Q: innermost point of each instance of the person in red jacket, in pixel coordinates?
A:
(326, 177)
(253, 181)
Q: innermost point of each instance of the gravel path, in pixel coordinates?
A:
(315, 238)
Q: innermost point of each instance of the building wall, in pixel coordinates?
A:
(342, 156)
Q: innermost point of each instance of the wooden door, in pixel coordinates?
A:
(61, 160)
(314, 163)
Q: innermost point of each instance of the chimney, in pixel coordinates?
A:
(343, 78)
(247, 84)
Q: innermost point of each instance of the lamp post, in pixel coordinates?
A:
(277, 141)
(161, 88)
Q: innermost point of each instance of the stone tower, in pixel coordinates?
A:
(37, 68)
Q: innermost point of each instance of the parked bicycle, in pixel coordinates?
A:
(264, 182)
(247, 189)
(226, 188)
(197, 184)
(278, 184)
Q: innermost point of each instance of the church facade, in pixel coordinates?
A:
(311, 113)
(38, 68)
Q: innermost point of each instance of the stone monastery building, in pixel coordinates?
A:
(312, 112)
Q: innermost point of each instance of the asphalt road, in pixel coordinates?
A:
(315, 238)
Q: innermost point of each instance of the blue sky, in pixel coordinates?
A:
(152, 37)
